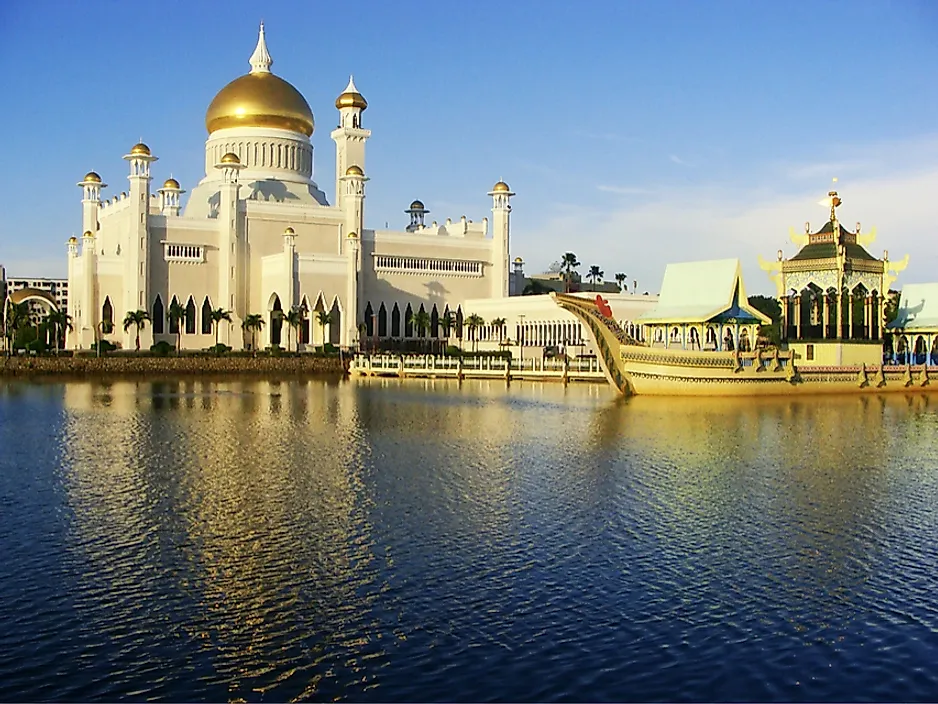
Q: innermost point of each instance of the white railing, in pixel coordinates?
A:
(445, 366)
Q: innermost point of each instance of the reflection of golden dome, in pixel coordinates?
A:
(354, 170)
(92, 177)
(140, 149)
(230, 158)
(260, 100)
(501, 187)
(171, 183)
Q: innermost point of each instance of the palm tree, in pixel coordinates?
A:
(472, 322)
(499, 324)
(324, 319)
(55, 320)
(253, 323)
(218, 315)
(568, 263)
(137, 318)
(294, 319)
(620, 279)
(175, 314)
(421, 322)
(595, 274)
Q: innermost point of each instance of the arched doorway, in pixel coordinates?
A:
(275, 319)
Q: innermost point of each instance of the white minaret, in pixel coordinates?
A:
(71, 336)
(352, 188)
(136, 248)
(81, 295)
(288, 286)
(349, 136)
(501, 213)
(230, 272)
(169, 197)
(353, 294)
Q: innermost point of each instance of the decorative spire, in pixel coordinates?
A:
(350, 88)
(260, 59)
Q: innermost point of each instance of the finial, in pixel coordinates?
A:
(260, 59)
(350, 88)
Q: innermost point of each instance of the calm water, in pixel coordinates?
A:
(383, 541)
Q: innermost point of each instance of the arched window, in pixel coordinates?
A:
(382, 321)
(107, 316)
(408, 321)
(369, 320)
(173, 322)
(158, 316)
(206, 317)
(395, 321)
(276, 321)
(190, 317)
(434, 322)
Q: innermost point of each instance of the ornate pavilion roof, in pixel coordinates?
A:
(823, 244)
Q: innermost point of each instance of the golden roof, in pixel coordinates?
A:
(170, 183)
(260, 100)
(88, 233)
(230, 158)
(73, 240)
(141, 149)
(350, 97)
(501, 187)
(353, 236)
(92, 177)
(289, 231)
(417, 205)
(354, 170)
(519, 260)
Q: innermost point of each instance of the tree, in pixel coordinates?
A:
(772, 308)
(218, 315)
(595, 274)
(536, 288)
(421, 322)
(447, 322)
(499, 325)
(294, 319)
(568, 263)
(620, 279)
(473, 322)
(175, 314)
(137, 318)
(324, 319)
(56, 320)
(253, 323)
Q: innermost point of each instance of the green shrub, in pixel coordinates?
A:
(453, 351)
(219, 349)
(162, 348)
(274, 350)
(36, 346)
(105, 346)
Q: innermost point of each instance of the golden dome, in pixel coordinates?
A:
(417, 205)
(501, 187)
(289, 231)
(260, 100)
(353, 235)
(350, 97)
(170, 183)
(140, 149)
(230, 158)
(88, 233)
(73, 240)
(354, 170)
(92, 177)
(519, 260)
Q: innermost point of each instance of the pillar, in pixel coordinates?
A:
(825, 316)
(798, 317)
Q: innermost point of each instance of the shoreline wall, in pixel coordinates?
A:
(177, 366)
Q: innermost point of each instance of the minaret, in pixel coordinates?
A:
(230, 270)
(81, 298)
(136, 248)
(71, 336)
(349, 136)
(501, 212)
(352, 188)
(169, 197)
(353, 282)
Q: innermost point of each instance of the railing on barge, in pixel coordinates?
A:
(441, 366)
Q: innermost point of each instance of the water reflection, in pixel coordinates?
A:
(384, 540)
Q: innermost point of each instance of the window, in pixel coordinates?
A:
(809, 353)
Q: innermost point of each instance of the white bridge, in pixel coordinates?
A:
(434, 366)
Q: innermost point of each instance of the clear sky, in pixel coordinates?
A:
(635, 133)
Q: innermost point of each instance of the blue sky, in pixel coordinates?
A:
(635, 133)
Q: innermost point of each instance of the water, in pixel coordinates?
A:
(418, 541)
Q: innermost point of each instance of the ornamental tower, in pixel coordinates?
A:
(136, 250)
(349, 136)
(501, 213)
(230, 271)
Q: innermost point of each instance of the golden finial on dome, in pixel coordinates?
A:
(92, 177)
(350, 97)
(230, 158)
(140, 149)
(171, 183)
(354, 170)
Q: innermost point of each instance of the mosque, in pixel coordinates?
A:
(258, 236)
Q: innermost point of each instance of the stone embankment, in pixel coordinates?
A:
(173, 366)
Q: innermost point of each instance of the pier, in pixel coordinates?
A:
(443, 366)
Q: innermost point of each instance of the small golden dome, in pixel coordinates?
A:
(519, 260)
(351, 98)
(230, 158)
(260, 100)
(73, 240)
(92, 177)
(140, 149)
(501, 187)
(88, 233)
(289, 231)
(417, 205)
(353, 235)
(354, 170)
(171, 183)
